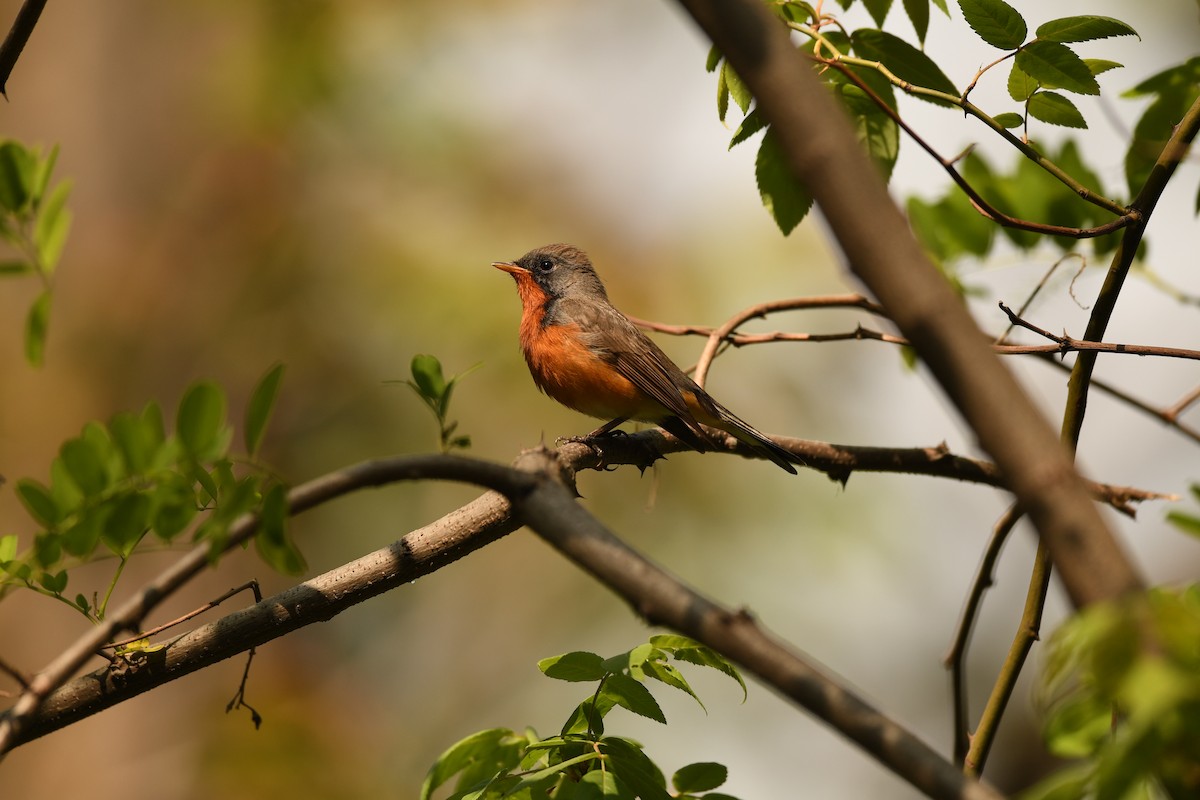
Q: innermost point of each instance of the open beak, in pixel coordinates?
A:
(510, 267)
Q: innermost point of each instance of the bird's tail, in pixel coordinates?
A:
(721, 417)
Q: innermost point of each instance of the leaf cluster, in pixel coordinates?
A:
(1131, 710)
(34, 222)
(582, 762)
(435, 391)
(118, 482)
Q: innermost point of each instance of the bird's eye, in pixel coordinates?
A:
(545, 265)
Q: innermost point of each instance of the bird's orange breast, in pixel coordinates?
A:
(566, 369)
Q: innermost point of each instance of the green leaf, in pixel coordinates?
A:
(633, 696)
(699, 777)
(633, 768)
(1021, 85)
(575, 667)
(1057, 66)
(486, 749)
(1184, 522)
(80, 539)
(783, 196)
(668, 674)
(878, 9)
(713, 60)
(14, 266)
(81, 602)
(918, 14)
(84, 465)
(1009, 119)
(199, 419)
(17, 168)
(53, 224)
(1099, 66)
(722, 95)
(126, 524)
(1083, 29)
(704, 657)
(877, 131)
(996, 22)
(38, 502)
(1078, 727)
(1175, 90)
(752, 123)
(36, 327)
(427, 376)
(258, 410)
(54, 583)
(135, 441)
(272, 541)
(47, 549)
(175, 508)
(905, 61)
(1055, 109)
(8, 547)
(738, 90)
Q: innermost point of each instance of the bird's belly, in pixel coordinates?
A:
(567, 370)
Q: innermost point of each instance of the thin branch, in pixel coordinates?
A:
(664, 600)
(955, 658)
(17, 36)
(822, 151)
(1010, 670)
(1066, 344)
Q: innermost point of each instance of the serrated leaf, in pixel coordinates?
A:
(1055, 109)
(1056, 65)
(1009, 119)
(714, 58)
(199, 419)
(1099, 66)
(752, 123)
(574, 666)
(669, 675)
(38, 502)
(996, 22)
(699, 777)
(704, 657)
(258, 410)
(918, 15)
(738, 90)
(942, 5)
(633, 768)
(783, 196)
(37, 324)
(1021, 85)
(722, 95)
(1083, 29)
(905, 61)
(632, 696)
(272, 541)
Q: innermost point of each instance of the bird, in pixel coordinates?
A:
(587, 355)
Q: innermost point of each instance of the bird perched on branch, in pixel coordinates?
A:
(588, 356)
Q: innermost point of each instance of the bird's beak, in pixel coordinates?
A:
(510, 267)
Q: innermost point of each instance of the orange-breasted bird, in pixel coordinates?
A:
(588, 356)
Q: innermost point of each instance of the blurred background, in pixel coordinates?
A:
(326, 184)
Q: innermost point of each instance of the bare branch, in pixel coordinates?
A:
(17, 36)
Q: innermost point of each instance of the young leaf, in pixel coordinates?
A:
(784, 198)
(633, 696)
(53, 223)
(427, 375)
(1020, 85)
(36, 326)
(258, 410)
(1055, 109)
(17, 167)
(714, 58)
(199, 419)
(738, 90)
(1083, 29)
(84, 465)
(752, 123)
(669, 675)
(1056, 65)
(905, 61)
(633, 768)
(126, 524)
(272, 541)
(699, 777)
(8, 547)
(996, 22)
(1184, 522)
(1099, 66)
(484, 747)
(1010, 119)
(575, 667)
(38, 502)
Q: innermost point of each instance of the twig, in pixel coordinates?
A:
(1066, 344)
(17, 36)
(253, 585)
(14, 673)
(955, 658)
(1010, 670)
